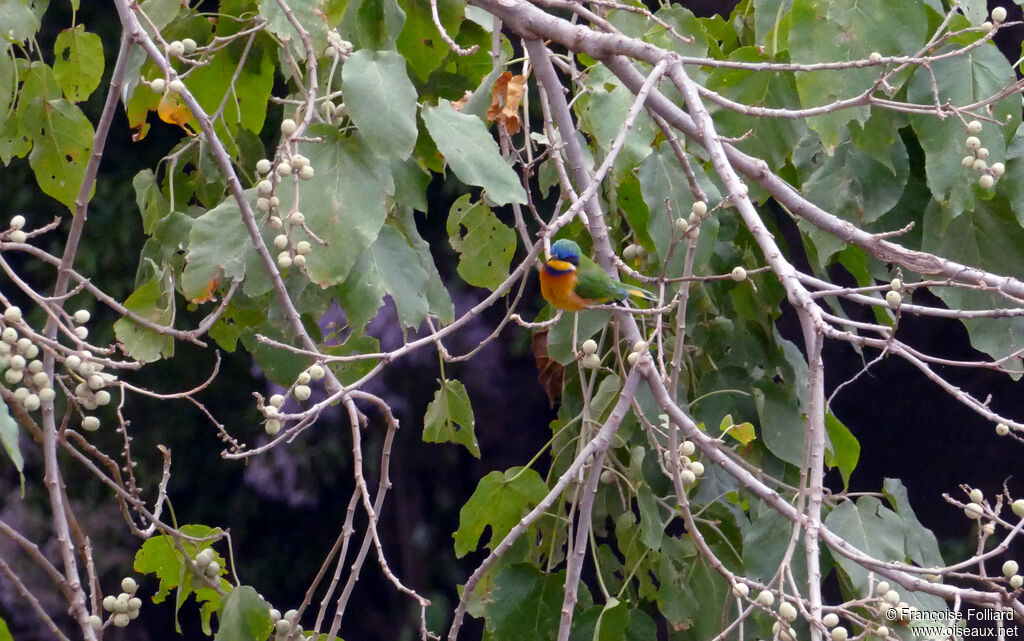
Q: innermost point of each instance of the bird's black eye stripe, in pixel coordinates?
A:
(573, 260)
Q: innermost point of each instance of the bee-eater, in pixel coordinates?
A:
(571, 281)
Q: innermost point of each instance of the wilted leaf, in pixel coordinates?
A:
(506, 95)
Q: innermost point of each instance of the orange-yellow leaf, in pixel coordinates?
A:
(506, 95)
(173, 112)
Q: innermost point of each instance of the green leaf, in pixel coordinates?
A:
(379, 23)
(9, 439)
(782, 424)
(499, 501)
(160, 555)
(484, 243)
(349, 372)
(609, 101)
(990, 239)
(960, 80)
(449, 417)
(381, 101)
(161, 12)
(870, 527)
(588, 322)
(652, 527)
(843, 448)
(244, 616)
(420, 43)
(772, 139)
(153, 300)
(18, 20)
(661, 179)
(219, 247)
(525, 603)
(345, 206)
(472, 153)
(922, 546)
(5, 632)
(78, 62)
(62, 142)
(388, 266)
(765, 542)
(308, 13)
(248, 88)
(822, 31)
(742, 432)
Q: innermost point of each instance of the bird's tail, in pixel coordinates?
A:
(637, 292)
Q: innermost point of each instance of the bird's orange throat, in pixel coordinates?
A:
(557, 285)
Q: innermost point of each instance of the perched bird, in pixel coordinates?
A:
(571, 281)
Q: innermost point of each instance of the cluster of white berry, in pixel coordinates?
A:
(977, 159)
(268, 203)
(283, 624)
(690, 227)
(175, 49)
(689, 469)
(301, 392)
(123, 608)
(975, 510)
(209, 569)
(21, 367)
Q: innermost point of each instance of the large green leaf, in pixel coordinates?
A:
(472, 153)
(345, 206)
(420, 43)
(244, 616)
(219, 247)
(78, 62)
(389, 266)
(378, 23)
(499, 501)
(663, 180)
(870, 527)
(525, 604)
(822, 31)
(606, 107)
(765, 542)
(308, 13)
(484, 243)
(449, 417)
(991, 239)
(18, 20)
(381, 101)
(247, 88)
(153, 300)
(961, 80)
(922, 546)
(772, 139)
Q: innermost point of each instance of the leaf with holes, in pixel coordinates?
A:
(78, 62)
(484, 243)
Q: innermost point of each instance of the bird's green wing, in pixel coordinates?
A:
(593, 284)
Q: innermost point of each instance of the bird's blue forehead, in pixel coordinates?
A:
(566, 250)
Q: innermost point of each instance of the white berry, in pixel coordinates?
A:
(176, 86)
(766, 598)
(129, 585)
(275, 222)
(189, 45)
(591, 361)
(302, 392)
(31, 402)
(176, 48)
(974, 127)
(276, 400)
(875, 57)
(303, 248)
(699, 208)
(281, 241)
(986, 182)
(840, 634)
(303, 378)
(90, 423)
(82, 316)
(12, 314)
(18, 236)
(297, 218)
(283, 169)
(1018, 507)
(741, 590)
(17, 222)
(316, 372)
(997, 169)
(998, 14)
(284, 261)
(263, 166)
(264, 187)
(893, 299)
(973, 511)
(830, 620)
(272, 427)
(632, 358)
(307, 173)
(977, 496)
(288, 126)
(967, 162)
(972, 142)
(738, 274)
(787, 611)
